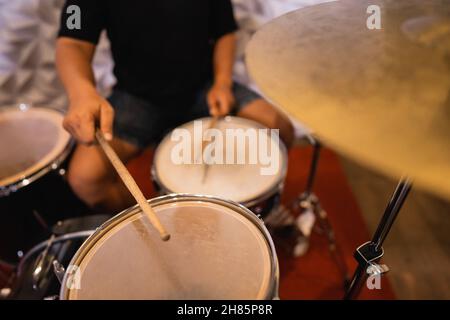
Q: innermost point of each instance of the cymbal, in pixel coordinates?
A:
(379, 96)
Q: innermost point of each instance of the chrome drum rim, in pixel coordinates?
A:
(272, 291)
(276, 188)
(51, 166)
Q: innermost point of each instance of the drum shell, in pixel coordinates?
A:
(49, 196)
(261, 206)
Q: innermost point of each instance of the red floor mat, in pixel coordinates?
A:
(315, 275)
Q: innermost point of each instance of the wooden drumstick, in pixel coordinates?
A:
(212, 124)
(131, 185)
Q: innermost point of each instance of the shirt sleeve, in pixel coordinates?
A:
(223, 21)
(91, 20)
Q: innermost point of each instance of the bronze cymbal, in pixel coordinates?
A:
(379, 96)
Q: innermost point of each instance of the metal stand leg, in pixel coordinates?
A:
(371, 252)
(317, 147)
(309, 201)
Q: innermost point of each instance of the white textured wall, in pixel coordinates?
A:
(28, 30)
(251, 15)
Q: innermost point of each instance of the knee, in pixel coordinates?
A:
(281, 121)
(287, 130)
(88, 184)
(266, 114)
(278, 120)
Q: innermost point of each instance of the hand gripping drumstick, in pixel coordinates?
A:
(131, 185)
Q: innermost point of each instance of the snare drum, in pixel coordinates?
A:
(242, 183)
(218, 250)
(33, 148)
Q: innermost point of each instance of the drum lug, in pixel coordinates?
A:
(41, 264)
(258, 212)
(59, 270)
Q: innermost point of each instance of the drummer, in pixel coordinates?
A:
(173, 63)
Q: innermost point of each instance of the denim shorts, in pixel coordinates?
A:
(142, 123)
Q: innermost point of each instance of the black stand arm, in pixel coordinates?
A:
(368, 254)
(314, 163)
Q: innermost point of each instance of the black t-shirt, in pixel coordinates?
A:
(161, 48)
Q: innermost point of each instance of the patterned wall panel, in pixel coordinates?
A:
(28, 30)
(251, 15)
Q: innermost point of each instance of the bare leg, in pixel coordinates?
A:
(94, 180)
(263, 112)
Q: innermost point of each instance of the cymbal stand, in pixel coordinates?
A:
(369, 254)
(308, 201)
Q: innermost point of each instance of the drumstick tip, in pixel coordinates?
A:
(165, 236)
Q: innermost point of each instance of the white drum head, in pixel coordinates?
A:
(214, 252)
(237, 182)
(31, 139)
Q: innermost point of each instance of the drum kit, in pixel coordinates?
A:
(378, 96)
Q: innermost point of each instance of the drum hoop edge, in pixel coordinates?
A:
(90, 242)
(50, 166)
(275, 188)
